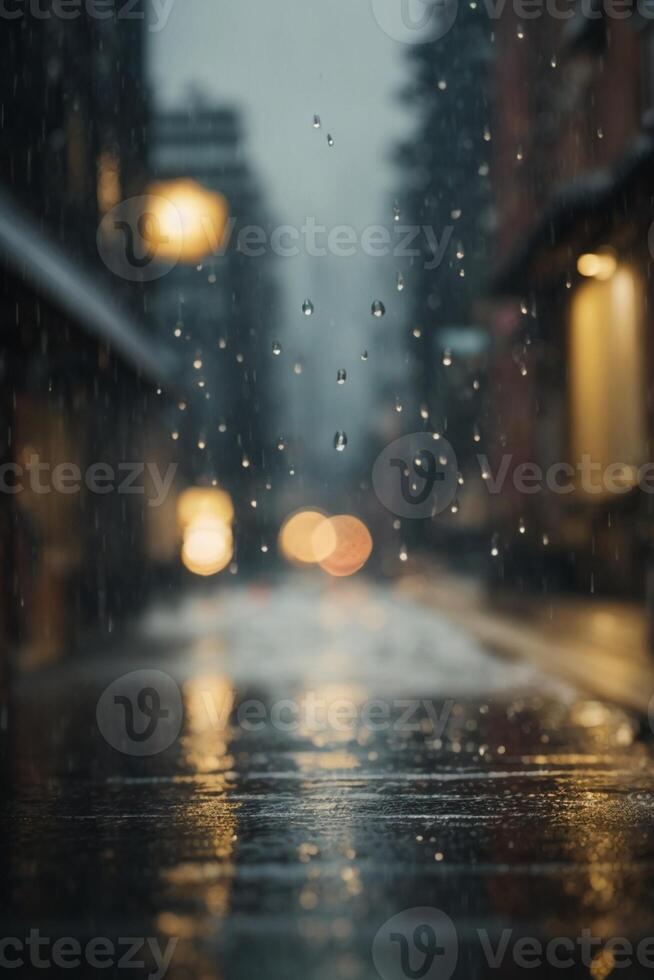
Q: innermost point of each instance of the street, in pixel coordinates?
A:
(345, 754)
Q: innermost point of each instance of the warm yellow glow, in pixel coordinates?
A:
(206, 503)
(607, 387)
(208, 546)
(307, 537)
(597, 265)
(353, 545)
(186, 222)
(109, 192)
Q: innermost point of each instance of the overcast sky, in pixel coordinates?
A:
(279, 62)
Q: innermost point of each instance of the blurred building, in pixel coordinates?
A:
(573, 149)
(446, 169)
(80, 377)
(217, 307)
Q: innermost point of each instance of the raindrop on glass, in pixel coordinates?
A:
(396, 211)
(276, 348)
(364, 355)
(447, 358)
(330, 139)
(340, 441)
(400, 282)
(316, 122)
(378, 309)
(307, 307)
(281, 444)
(341, 376)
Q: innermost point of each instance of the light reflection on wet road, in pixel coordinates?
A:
(276, 846)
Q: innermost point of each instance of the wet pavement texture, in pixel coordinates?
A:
(344, 755)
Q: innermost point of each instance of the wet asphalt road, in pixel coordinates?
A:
(343, 756)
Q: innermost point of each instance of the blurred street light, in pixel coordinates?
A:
(183, 209)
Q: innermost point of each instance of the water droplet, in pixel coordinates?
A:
(546, 540)
(307, 307)
(197, 364)
(276, 348)
(476, 435)
(553, 61)
(297, 368)
(245, 463)
(316, 122)
(378, 309)
(447, 357)
(403, 556)
(281, 445)
(330, 139)
(398, 405)
(364, 355)
(340, 441)
(424, 412)
(175, 436)
(442, 85)
(341, 376)
(202, 444)
(396, 211)
(400, 282)
(521, 526)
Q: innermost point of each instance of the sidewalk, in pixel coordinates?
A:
(598, 644)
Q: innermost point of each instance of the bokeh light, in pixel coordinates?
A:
(353, 545)
(208, 547)
(187, 221)
(306, 537)
(196, 503)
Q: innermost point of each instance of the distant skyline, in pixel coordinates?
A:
(279, 64)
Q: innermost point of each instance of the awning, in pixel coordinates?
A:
(577, 215)
(42, 263)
